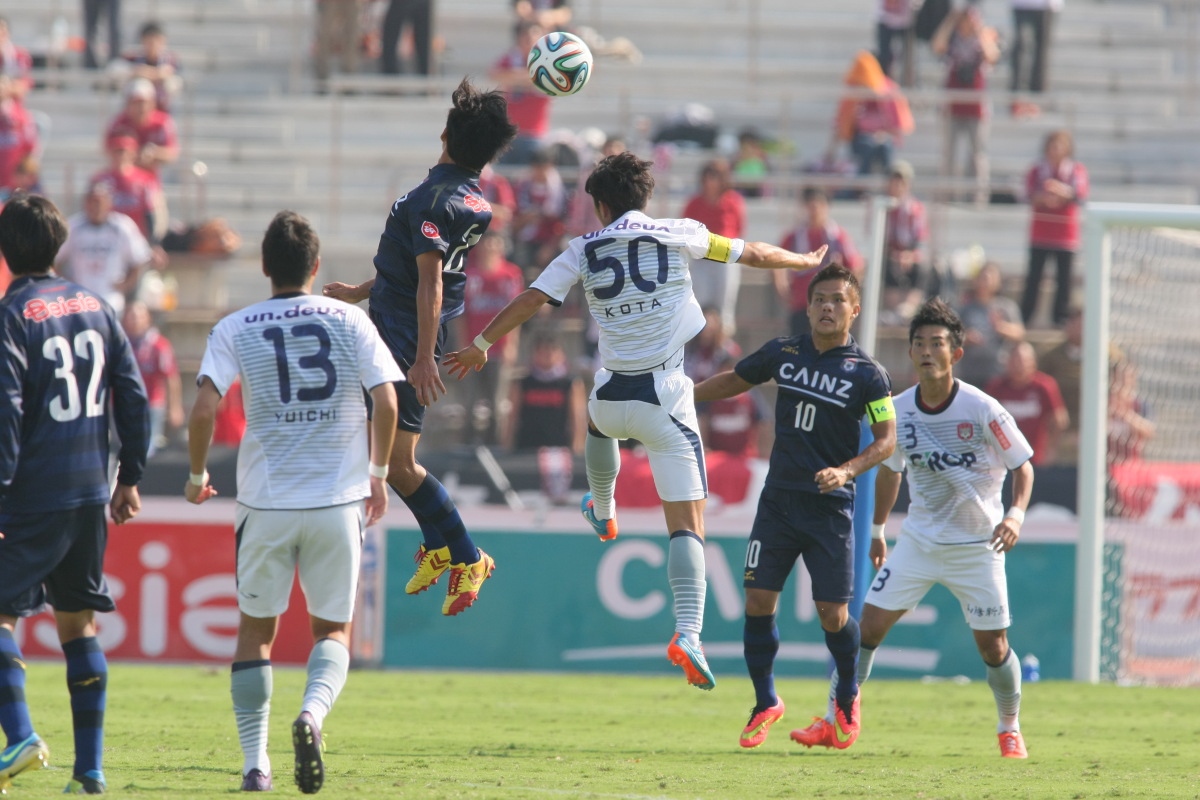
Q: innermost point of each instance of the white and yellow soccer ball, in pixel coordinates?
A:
(560, 64)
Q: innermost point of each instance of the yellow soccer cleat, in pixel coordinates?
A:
(465, 580)
(430, 566)
(24, 756)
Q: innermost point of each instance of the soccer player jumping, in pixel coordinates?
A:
(826, 385)
(635, 277)
(958, 444)
(418, 287)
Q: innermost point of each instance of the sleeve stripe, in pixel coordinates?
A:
(719, 248)
(881, 410)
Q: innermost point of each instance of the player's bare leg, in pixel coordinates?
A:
(685, 573)
(1004, 677)
(251, 682)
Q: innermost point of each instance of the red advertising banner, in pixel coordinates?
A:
(176, 599)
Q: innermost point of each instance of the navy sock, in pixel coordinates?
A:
(760, 644)
(843, 646)
(87, 680)
(14, 712)
(439, 520)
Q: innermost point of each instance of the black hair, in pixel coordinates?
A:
(811, 193)
(935, 311)
(622, 182)
(836, 272)
(151, 28)
(477, 126)
(32, 230)
(290, 249)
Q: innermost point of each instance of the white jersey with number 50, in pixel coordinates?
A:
(304, 362)
(957, 457)
(638, 288)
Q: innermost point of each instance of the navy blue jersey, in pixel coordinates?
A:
(66, 370)
(447, 212)
(821, 401)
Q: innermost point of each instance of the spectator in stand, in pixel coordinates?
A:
(15, 63)
(548, 415)
(156, 360)
(492, 281)
(723, 212)
(732, 424)
(337, 32)
(499, 192)
(104, 252)
(969, 48)
(154, 62)
(539, 224)
(1056, 187)
(135, 192)
(874, 126)
(894, 25)
(1033, 400)
(152, 128)
(18, 135)
(418, 16)
(819, 228)
(992, 324)
(1129, 428)
(705, 355)
(551, 15)
(528, 108)
(92, 10)
(1033, 18)
(750, 164)
(907, 229)
(581, 216)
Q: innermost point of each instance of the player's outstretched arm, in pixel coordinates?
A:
(383, 434)
(887, 489)
(1004, 537)
(348, 291)
(768, 256)
(516, 313)
(200, 433)
(719, 386)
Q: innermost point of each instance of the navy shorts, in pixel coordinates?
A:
(399, 333)
(55, 556)
(790, 524)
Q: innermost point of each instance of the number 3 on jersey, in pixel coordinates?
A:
(89, 346)
(317, 361)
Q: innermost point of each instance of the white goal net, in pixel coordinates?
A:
(1138, 591)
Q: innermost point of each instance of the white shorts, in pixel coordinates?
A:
(324, 543)
(657, 409)
(973, 573)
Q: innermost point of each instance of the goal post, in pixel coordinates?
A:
(1141, 295)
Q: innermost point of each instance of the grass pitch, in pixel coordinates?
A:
(170, 733)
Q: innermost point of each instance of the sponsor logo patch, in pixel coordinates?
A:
(477, 203)
(1001, 438)
(966, 431)
(430, 230)
(40, 310)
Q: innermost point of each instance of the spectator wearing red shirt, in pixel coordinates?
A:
(817, 228)
(156, 360)
(723, 212)
(712, 349)
(15, 63)
(152, 128)
(1033, 400)
(499, 192)
(539, 224)
(528, 108)
(492, 281)
(1056, 187)
(135, 192)
(18, 134)
(906, 232)
(154, 62)
(732, 425)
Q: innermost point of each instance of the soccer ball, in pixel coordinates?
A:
(560, 64)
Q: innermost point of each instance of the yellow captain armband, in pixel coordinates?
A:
(719, 248)
(881, 410)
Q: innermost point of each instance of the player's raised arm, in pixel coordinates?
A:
(720, 386)
(516, 313)
(768, 256)
(348, 292)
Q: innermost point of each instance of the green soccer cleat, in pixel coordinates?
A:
(24, 756)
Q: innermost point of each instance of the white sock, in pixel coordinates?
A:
(1005, 681)
(602, 458)
(685, 574)
(866, 659)
(250, 686)
(327, 667)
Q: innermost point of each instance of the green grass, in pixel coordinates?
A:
(170, 733)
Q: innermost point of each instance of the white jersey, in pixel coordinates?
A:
(957, 457)
(98, 257)
(635, 277)
(304, 362)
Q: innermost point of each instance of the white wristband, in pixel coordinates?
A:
(379, 472)
(482, 343)
(1016, 514)
(198, 478)
(877, 531)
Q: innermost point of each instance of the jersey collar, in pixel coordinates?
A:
(944, 404)
(287, 295)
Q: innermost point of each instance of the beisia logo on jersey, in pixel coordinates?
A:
(40, 310)
(477, 203)
(430, 230)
